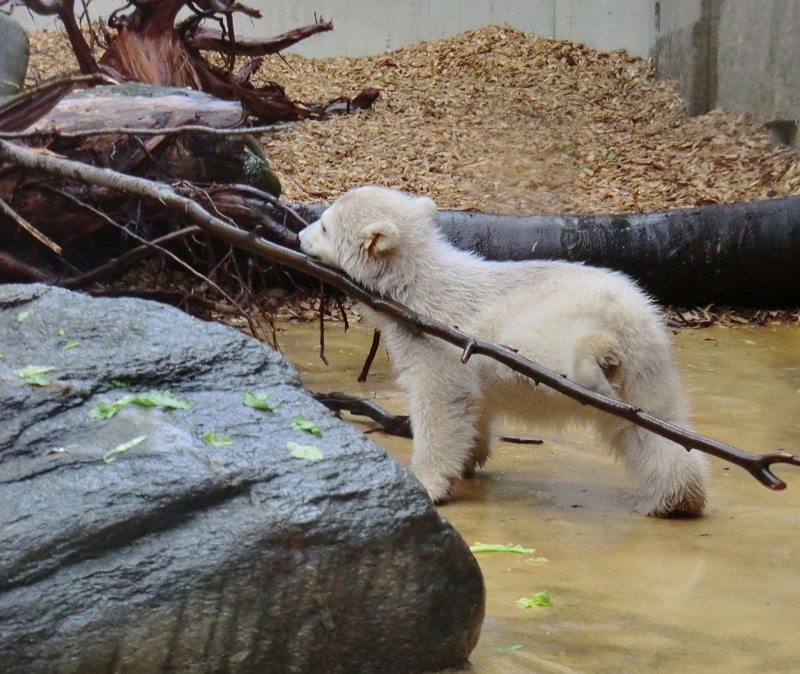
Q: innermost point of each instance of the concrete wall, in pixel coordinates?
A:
(365, 27)
(737, 54)
(758, 62)
(740, 54)
(683, 48)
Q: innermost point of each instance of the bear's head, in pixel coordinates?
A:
(369, 231)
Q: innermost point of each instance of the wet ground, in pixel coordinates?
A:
(629, 593)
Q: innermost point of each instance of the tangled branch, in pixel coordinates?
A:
(758, 465)
(391, 424)
(147, 131)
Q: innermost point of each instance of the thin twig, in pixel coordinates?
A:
(234, 199)
(373, 349)
(272, 199)
(128, 257)
(517, 440)
(322, 323)
(176, 298)
(758, 465)
(28, 227)
(343, 312)
(166, 252)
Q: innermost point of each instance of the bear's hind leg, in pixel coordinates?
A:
(671, 481)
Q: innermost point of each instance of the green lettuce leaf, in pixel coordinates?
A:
(108, 457)
(147, 399)
(536, 599)
(217, 440)
(34, 374)
(258, 401)
(303, 424)
(307, 452)
(508, 547)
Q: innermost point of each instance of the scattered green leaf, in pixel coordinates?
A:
(508, 649)
(566, 148)
(108, 457)
(217, 440)
(61, 332)
(22, 315)
(258, 401)
(34, 374)
(508, 547)
(118, 383)
(608, 154)
(303, 424)
(307, 452)
(71, 344)
(147, 399)
(536, 599)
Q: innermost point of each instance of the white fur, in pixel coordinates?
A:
(592, 325)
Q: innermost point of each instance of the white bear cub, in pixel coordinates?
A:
(592, 325)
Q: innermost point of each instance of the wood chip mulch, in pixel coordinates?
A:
(505, 121)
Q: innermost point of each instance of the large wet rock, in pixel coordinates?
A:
(14, 53)
(180, 556)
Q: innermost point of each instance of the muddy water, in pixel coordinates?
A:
(630, 594)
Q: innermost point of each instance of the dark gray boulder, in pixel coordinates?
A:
(14, 53)
(181, 556)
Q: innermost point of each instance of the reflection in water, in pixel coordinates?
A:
(630, 594)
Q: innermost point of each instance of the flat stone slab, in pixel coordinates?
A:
(175, 555)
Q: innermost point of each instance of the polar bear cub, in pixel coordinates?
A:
(592, 325)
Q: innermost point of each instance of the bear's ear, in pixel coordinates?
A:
(427, 206)
(379, 238)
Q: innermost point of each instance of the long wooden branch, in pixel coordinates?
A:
(758, 465)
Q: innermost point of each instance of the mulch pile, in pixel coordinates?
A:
(500, 120)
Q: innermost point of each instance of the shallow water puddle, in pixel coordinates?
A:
(629, 593)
